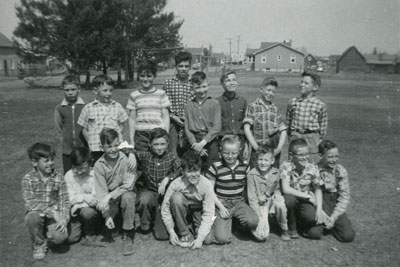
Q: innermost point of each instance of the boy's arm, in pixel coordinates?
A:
(343, 194)
(282, 140)
(319, 217)
(166, 211)
(132, 126)
(165, 116)
(74, 196)
(129, 178)
(57, 121)
(82, 122)
(30, 199)
(207, 215)
(249, 136)
(189, 134)
(252, 193)
(213, 132)
(289, 117)
(64, 206)
(323, 121)
(100, 185)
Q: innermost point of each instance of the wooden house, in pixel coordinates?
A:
(9, 59)
(381, 63)
(351, 61)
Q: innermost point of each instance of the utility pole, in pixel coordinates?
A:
(238, 41)
(230, 50)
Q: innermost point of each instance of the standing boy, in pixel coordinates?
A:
(263, 124)
(203, 121)
(179, 92)
(46, 201)
(66, 116)
(101, 113)
(307, 116)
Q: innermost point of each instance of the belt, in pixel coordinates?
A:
(303, 131)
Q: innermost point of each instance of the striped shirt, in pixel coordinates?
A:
(229, 182)
(46, 197)
(148, 107)
(179, 93)
(307, 115)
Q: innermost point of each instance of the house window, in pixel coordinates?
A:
(12, 64)
(250, 59)
(279, 57)
(292, 59)
(264, 59)
(1, 64)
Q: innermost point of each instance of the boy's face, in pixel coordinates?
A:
(300, 156)
(146, 79)
(230, 152)
(200, 90)
(193, 177)
(182, 69)
(265, 161)
(268, 93)
(71, 92)
(230, 83)
(44, 166)
(81, 171)
(111, 151)
(330, 158)
(159, 146)
(104, 93)
(307, 86)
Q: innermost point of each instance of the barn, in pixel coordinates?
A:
(310, 62)
(351, 61)
(8, 57)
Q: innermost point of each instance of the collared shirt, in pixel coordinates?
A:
(308, 114)
(337, 180)
(260, 188)
(156, 168)
(79, 188)
(203, 117)
(96, 116)
(300, 181)
(232, 114)
(200, 195)
(229, 182)
(264, 119)
(179, 93)
(115, 180)
(148, 107)
(46, 197)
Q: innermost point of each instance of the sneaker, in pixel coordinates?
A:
(293, 234)
(184, 241)
(39, 253)
(285, 236)
(91, 241)
(127, 239)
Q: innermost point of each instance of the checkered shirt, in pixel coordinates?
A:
(336, 180)
(96, 116)
(264, 119)
(302, 182)
(46, 197)
(308, 114)
(156, 168)
(179, 93)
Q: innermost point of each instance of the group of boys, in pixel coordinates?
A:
(193, 164)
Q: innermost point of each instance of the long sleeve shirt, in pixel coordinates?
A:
(79, 188)
(204, 118)
(233, 111)
(46, 197)
(179, 93)
(337, 180)
(200, 194)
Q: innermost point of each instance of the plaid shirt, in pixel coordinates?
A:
(46, 197)
(337, 180)
(264, 119)
(308, 114)
(179, 93)
(96, 116)
(300, 181)
(156, 168)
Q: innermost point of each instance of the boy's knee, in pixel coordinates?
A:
(146, 198)
(177, 199)
(88, 213)
(345, 236)
(314, 233)
(290, 201)
(222, 239)
(252, 221)
(128, 199)
(32, 218)
(56, 237)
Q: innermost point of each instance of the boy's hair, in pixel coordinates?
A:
(225, 75)
(263, 150)
(70, 79)
(148, 66)
(198, 77)
(314, 77)
(80, 155)
(158, 133)
(40, 150)
(230, 139)
(102, 79)
(183, 56)
(269, 81)
(191, 161)
(296, 144)
(107, 136)
(325, 146)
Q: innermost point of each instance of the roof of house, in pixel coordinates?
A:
(348, 50)
(380, 62)
(195, 50)
(268, 45)
(218, 55)
(4, 41)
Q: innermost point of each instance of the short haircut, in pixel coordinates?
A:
(107, 136)
(263, 150)
(158, 133)
(314, 77)
(230, 139)
(183, 56)
(226, 74)
(80, 155)
(325, 146)
(102, 79)
(191, 161)
(70, 79)
(296, 143)
(40, 150)
(148, 66)
(269, 81)
(198, 77)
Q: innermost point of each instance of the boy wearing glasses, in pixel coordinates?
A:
(228, 177)
(301, 183)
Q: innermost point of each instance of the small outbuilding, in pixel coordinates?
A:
(351, 61)
(9, 59)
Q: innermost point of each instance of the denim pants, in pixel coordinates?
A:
(301, 211)
(84, 223)
(125, 204)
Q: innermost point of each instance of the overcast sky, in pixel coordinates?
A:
(324, 27)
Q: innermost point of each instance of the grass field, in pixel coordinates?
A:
(364, 119)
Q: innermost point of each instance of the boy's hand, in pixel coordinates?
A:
(60, 223)
(178, 120)
(312, 200)
(255, 146)
(278, 198)
(223, 212)
(91, 200)
(110, 223)
(277, 151)
(103, 205)
(319, 216)
(173, 238)
(196, 244)
(61, 228)
(203, 153)
(163, 185)
(199, 146)
(329, 223)
(112, 186)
